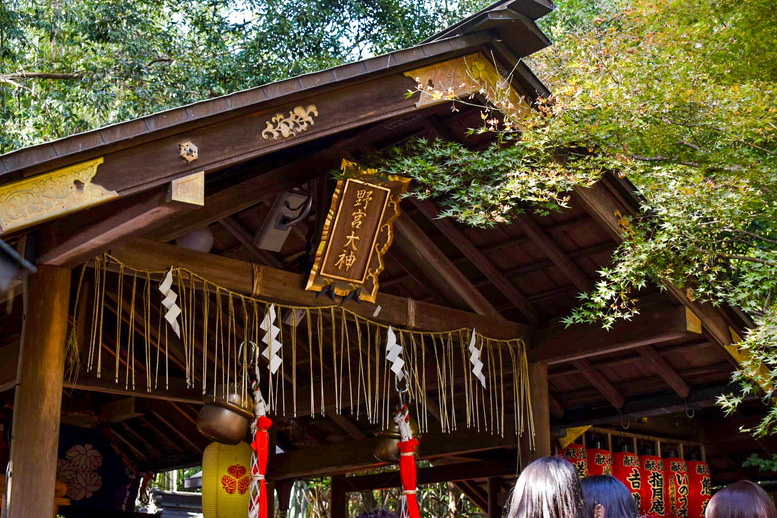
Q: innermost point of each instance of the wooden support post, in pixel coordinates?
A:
(494, 509)
(338, 503)
(38, 398)
(284, 488)
(540, 402)
(270, 498)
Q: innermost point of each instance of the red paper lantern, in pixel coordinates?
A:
(653, 487)
(599, 462)
(676, 480)
(625, 467)
(699, 488)
(575, 453)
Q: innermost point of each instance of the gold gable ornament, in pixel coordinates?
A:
(46, 196)
(358, 232)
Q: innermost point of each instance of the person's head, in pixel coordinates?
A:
(608, 497)
(741, 499)
(547, 488)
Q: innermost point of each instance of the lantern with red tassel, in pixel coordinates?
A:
(576, 454)
(676, 480)
(599, 462)
(653, 486)
(625, 467)
(407, 468)
(699, 488)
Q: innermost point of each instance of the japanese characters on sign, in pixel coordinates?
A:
(357, 233)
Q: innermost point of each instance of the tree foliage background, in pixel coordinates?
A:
(679, 97)
(72, 65)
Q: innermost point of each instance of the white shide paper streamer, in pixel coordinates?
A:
(169, 303)
(270, 333)
(474, 359)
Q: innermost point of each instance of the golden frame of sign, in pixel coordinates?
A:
(358, 231)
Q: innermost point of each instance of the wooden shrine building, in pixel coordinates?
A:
(233, 165)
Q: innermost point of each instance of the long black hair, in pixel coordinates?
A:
(547, 488)
(611, 494)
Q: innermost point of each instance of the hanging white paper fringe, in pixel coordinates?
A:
(270, 333)
(474, 359)
(169, 303)
(393, 350)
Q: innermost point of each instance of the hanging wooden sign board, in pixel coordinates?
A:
(358, 232)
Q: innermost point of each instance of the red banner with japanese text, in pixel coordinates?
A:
(599, 462)
(699, 488)
(654, 491)
(676, 480)
(576, 454)
(625, 467)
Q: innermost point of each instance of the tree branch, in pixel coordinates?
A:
(746, 258)
(661, 158)
(40, 75)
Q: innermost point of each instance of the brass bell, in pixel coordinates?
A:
(226, 416)
(387, 450)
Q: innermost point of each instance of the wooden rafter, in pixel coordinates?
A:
(654, 324)
(550, 248)
(240, 233)
(645, 407)
(600, 382)
(438, 267)
(663, 369)
(72, 240)
(483, 263)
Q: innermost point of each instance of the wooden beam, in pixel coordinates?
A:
(494, 485)
(338, 500)
(346, 424)
(600, 382)
(440, 268)
(241, 234)
(540, 404)
(556, 409)
(665, 370)
(550, 248)
(247, 193)
(354, 456)
(74, 239)
(176, 390)
(605, 204)
(38, 397)
(479, 259)
(175, 430)
(287, 287)
(459, 471)
(648, 406)
(654, 324)
(121, 410)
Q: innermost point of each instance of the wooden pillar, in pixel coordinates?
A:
(338, 503)
(270, 498)
(38, 398)
(540, 402)
(283, 488)
(494, 509)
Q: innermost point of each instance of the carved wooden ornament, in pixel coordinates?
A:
(358, 232)
(46, 196)
(464, 76)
